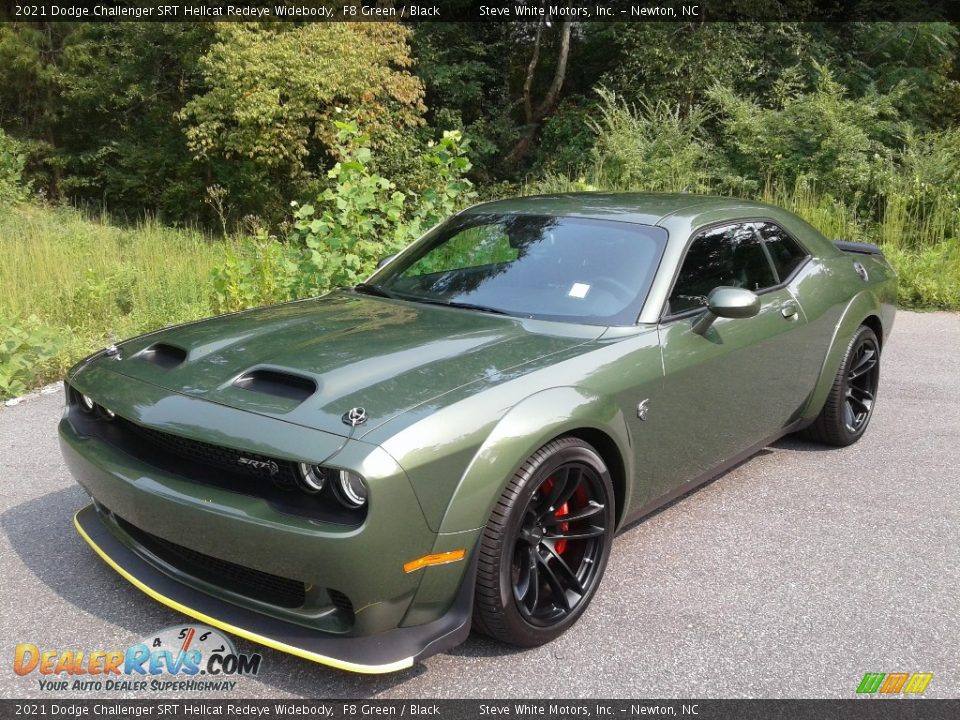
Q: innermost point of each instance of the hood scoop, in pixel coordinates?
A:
(277, 383)
(163, 355)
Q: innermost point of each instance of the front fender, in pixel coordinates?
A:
(525, 428)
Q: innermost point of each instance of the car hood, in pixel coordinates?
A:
(312, 361)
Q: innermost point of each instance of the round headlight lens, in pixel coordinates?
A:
(351, 489)
(87, 403)
(312, 478)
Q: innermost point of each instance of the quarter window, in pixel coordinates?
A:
(786, 253)
(731, 256)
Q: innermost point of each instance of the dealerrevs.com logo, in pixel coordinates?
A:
(177, 659)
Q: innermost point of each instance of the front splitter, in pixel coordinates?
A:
(386, 652)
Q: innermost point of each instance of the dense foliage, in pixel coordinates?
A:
(337, 239)
(217, 122)
(12, 186)
(311, 150)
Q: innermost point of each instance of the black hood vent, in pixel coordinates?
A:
(277, 383)
(164, 355)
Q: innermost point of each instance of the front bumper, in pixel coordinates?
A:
(392, 617)
(382, 653)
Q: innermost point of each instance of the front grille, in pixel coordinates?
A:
(273, 480)
(254, 584)
(218, 456)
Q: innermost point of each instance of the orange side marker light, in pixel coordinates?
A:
(435, 559)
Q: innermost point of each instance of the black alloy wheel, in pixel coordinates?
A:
(863, 378)
(853, 395)
(546, 546)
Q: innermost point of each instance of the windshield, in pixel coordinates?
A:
(553, 268)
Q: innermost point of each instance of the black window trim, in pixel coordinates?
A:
(668, 318)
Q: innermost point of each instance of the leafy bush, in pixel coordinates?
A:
(26, 347)
(928, 277)
(843, 142)
(12, 188)
(921, 202)
(337, 239)
(264, 120)
(354, 222)
(651, 146)
(260, 272)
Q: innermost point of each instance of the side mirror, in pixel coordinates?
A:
(728, 302)
(384, 261)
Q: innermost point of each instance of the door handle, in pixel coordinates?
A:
(789, 310)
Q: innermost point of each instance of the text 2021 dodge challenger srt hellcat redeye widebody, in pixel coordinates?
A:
(361, 478)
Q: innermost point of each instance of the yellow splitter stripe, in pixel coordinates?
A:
(252, 636)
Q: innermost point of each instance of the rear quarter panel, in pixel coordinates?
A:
(837, 301)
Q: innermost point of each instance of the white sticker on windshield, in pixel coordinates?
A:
(579, 290)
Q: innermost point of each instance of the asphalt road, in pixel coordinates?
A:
(790, 576)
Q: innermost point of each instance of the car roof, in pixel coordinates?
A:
(643, 208)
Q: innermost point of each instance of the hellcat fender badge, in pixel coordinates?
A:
(113, 352)
(354, 416)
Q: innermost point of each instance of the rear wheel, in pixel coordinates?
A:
(849, 406)
(545, 548)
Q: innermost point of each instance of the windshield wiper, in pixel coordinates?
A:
(473, 306)
(368, 289)
(455, 304)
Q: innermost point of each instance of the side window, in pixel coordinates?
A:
(785, 251)
(731, 255)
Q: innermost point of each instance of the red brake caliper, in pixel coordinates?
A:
(564, 509)
(561, 545)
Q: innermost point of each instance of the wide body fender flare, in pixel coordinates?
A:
(864, 305)
(526, 427)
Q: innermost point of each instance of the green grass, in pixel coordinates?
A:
(89, 283)
(921, 240)
(929, 276)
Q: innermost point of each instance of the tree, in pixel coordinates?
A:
(30, 57)
(121, 86)
(534, 113)
(272, 92)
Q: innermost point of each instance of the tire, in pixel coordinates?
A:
(524, 607)
(849, 406)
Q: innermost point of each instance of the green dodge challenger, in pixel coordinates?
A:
(360, 478)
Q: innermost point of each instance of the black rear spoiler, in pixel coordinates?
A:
(861, 248)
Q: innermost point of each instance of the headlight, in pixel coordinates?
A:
(351, 490)
(311, 477)
(87, 403)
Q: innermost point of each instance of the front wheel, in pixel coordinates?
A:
(849, 406)
(545, 548)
